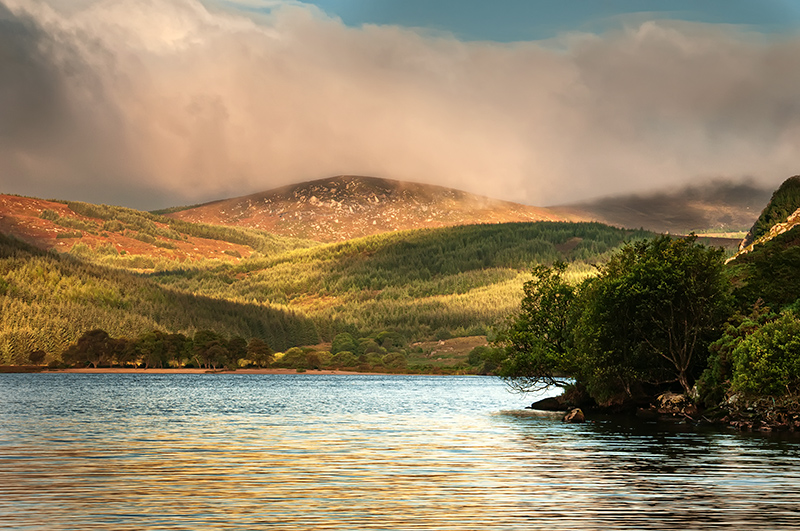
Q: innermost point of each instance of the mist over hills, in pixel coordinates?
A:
(345, 207)
(717, 206)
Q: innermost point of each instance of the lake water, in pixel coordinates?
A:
(310, 452)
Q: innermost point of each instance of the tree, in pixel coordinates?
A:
(93, 347)
(650, 315)
(150, 349)
(343, 342)
(260, 353)
(645, 320)
(538, 340)
(767, 362)
(36, 357)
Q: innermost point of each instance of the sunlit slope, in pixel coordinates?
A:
(783, 203)
(48, 300)
(422, 283)
(346, 207)
(142, 237)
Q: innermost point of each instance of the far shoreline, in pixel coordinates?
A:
(118, 370)
(27, 369)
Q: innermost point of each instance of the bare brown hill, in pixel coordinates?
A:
(345, 207)
(54, 225)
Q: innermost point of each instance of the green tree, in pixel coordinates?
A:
(646, 319)
(93, 347)
(650, 315)
(716, 379)
(343, 342)
(259, 352)
(36, 357)
(150, 349)
(767, 362)
(538, 340)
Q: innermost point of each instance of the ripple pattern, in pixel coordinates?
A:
(133, 452)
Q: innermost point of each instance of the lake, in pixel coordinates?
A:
(308, 452)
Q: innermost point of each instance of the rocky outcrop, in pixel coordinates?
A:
(575, 416)
(675, 405)
(779, 228)
(764, 415)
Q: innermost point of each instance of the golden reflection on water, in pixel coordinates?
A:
(415, 467)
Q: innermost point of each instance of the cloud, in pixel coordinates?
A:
(153, 103)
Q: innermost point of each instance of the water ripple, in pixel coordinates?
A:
(174, 452)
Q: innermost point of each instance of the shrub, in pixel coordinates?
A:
(767, 362)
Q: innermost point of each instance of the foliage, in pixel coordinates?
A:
(767, 361)
(48, 301)
(420, 283)
(343, 342)
(715, 381)
(646, 319)
(486, 359)
(650, 314)
(538, 340)
(769, 273)
(260, 353)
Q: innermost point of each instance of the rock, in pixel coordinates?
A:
(575, 416)
(548, 404)
(676, 405)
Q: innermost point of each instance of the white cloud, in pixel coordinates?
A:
(154, 103)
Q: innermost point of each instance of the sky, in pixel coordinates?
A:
(156, 103)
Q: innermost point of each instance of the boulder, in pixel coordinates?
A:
(548, 404)
(676, 405)
(575, 416)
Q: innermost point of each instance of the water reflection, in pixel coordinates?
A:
(213, 452)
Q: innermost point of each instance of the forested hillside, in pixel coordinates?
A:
(129, 273)
(424, 283)
(48, 300)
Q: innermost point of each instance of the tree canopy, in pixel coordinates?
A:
(645, 320)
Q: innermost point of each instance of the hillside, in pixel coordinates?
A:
(767, 266)
(121, 232)
(783, 203)
(346, 207)
(426, 283)
(718, 207)
(47, 300)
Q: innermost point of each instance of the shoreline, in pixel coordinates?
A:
(30, 369)
(117, 370)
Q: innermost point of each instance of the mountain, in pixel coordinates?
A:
(116, 231)
(715, 207)
(345, 207)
